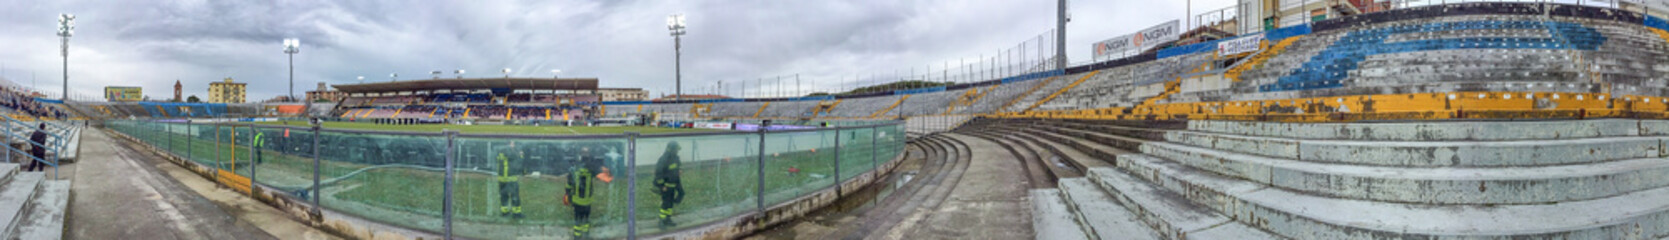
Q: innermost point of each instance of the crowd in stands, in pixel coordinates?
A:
(27, 104)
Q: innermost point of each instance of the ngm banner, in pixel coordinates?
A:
(1240, 45)
(123, 94)
(1139, 41)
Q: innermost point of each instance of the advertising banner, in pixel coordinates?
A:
(714, 125)
(1240, 45)
(1139, 41)
(123, 94)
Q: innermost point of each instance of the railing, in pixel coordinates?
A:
(450, 182)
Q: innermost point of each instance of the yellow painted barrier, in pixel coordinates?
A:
(1063, 90)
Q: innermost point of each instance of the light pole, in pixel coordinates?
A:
(66, 28)
(393, 77)
(675, 23)
(506, 73)
(459, 72)
(361, 79)
(556, 73)
(291, 47)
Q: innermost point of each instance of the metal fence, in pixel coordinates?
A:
(501, 186)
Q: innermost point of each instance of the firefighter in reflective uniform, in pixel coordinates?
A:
(510, 169)
(257, 147)
(579, 190)
(668, 183)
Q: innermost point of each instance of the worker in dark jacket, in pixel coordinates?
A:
(580, 189)
(510, 170)
(668, 183)
(38, 149)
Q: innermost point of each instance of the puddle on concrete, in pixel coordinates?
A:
(842, 212)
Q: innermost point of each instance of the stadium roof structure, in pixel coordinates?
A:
(471, 84)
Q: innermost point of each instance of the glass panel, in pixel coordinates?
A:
(794, 167)
(516, 188)
(719, 177)
(279, 164)
(855, 152)
(390, 179)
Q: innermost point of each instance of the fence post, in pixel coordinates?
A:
(217, 157)
(188, 143)
(631, 185)
(252, 160)
(316, 172)
(760, 200)
(837, 163)
(446, 209)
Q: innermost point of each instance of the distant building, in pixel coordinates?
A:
(324, 93)
(278, 99)
(177, 87)
(227, 92)
(623, 94)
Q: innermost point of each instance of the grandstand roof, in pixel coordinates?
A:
(471, 84)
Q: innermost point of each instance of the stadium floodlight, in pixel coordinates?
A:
(291, 47)
(459, 73)
(506, 72)
(435, 73)
(675, 24)
(66, 28)
(361, 79)
(393, 77)
(556, 73)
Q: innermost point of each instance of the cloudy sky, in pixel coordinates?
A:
(622, 42)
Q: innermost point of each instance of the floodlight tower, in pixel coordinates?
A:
(459, 73)
(393, 77)
(556, 73)
(435, 74)
(506, 73)
(675, 23)
(291, 47)
(361, 79)
(66, 28)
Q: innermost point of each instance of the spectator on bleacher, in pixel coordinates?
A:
(38, 150)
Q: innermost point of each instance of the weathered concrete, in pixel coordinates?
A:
(1100, 214)
(1305, 216)
(1517, 185)
(1167, 211)
(990, 201)
(1440, 131)
(124, 194)
(15, 196)
(1052, 218)
(1432, 153)
(45, 219)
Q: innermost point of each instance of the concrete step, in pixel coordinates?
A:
(1172, 214)
(1446, 185)
(1103, 217)
(1440, 131)
(1518, 153)
(1052, 218)
(1306, 216)
(1074, 157)
(15, 197)
(45, 219)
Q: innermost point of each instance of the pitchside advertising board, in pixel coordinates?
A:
(1139, 41)
(122, 94)
(1240, 45)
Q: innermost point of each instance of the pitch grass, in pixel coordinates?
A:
(493, 129)
(714, 190)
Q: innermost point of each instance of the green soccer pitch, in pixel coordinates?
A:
(493, 129)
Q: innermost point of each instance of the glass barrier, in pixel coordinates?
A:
(856, 152)
(396, 179)
(517, 186)
(692, 180)
(794, 167)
